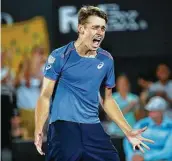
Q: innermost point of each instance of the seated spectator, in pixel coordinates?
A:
(127, 101)
(163, 87)
(159, 130)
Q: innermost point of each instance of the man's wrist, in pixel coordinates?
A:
(38, 131)
(128, 132)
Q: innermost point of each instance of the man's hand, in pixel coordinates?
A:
(136, 139)
(42, 111)
(137, 157)
(38, 142)
(144, 83)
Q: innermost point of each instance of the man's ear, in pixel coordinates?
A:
(81, 29)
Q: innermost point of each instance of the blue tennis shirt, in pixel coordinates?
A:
(76, 96)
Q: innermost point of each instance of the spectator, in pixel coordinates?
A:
(7, 99)
(159, 130)
(17, 132)
(127, 101)
(28, 82)
(7, 103)
(163, 87)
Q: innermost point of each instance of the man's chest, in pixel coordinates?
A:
(85, 70)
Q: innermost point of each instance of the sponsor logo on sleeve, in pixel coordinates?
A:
(51, 59)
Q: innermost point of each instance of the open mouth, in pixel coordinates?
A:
(96, 41)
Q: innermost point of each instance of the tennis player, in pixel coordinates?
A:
(80, 67)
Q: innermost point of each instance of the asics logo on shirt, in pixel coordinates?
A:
(48, 67)
(99, 66)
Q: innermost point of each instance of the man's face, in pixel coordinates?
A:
(123, 84)
(163, 72)
(155, 114)
(93, 32)
(3, 58)
(38, 54)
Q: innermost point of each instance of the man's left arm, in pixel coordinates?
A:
(113, 111)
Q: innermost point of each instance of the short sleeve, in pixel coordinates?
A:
(53, 66)
(110, 76)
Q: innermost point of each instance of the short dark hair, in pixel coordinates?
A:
(87, 11)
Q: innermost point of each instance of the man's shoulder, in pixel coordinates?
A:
(170, 82)
(105, 53)
(62, 51)
(156, 85)
(143, 122)
(168, 122)
(133, 96)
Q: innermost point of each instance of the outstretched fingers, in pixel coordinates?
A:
(140, 148)
(142, 130)
(145, 139)
(145, 146)
(39, 148)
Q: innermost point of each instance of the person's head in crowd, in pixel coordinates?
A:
(123, 84)
(6, 58)
(159, 130)
(3, 55)
(7, 75)
(156, 107)
(163, 73)
(38, 59)
(38, 54)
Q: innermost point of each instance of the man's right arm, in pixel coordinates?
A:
(42, 109)
(52, 72)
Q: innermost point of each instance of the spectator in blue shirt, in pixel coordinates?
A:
(159, 130)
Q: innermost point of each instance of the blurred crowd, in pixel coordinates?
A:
(152, 107)
(19, 93)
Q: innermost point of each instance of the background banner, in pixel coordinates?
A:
(135, 28)
(20, 38)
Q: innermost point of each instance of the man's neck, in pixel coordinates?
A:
(82, 49)
(163, 82)
(123, 94)
(158, 121)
